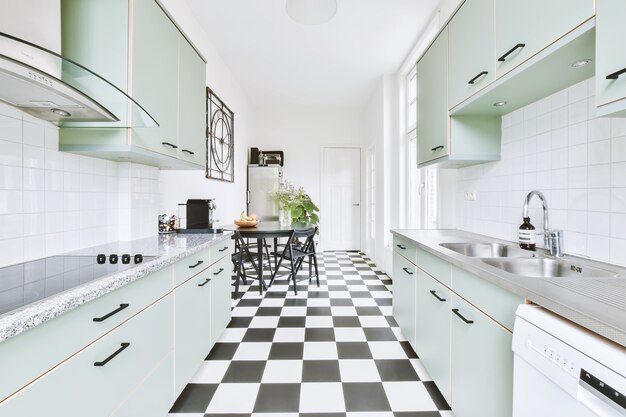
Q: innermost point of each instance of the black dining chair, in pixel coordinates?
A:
(298, 253)
(242, 256)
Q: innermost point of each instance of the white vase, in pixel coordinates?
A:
(284, 217)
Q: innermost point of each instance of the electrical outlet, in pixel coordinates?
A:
(470, 195)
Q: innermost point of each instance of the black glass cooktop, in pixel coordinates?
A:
(32, 281)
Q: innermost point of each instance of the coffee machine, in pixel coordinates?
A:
(200, 216)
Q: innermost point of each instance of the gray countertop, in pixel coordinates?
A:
(167, 249)
(598, 304)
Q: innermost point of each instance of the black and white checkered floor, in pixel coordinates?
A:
(329, 351)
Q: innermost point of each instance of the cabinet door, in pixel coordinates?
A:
(610, 34)
(472, 63)
(432, 101)
(403, 303)
(79, 388)
(191, 104)
(481, 364)
(220, 297)
(192, 327)
(535, 24)
(154, 81)
(432, 333)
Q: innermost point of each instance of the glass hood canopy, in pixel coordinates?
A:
(44, 84)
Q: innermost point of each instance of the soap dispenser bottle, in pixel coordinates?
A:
(527, 235)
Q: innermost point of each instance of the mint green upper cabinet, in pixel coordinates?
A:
(432, 337)
(404, 294)
(155, 75)
(432, 101)
(610, 35)
(471, 32)
(481, 364)
(534, 24)
(192, 327)
(191, 104)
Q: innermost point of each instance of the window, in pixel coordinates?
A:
(372, 192)
(411, 96)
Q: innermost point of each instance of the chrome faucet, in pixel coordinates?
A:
(552, 239)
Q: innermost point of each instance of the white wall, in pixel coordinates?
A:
(301, 132)
(53, 202)
(557, 146)
(177, 186)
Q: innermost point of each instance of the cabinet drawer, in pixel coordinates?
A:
(191, 265)
(405, 247)
(435, 266)
(220, 297)
(222, 248)
(496, 302)
(25, 357)
(97, 390)
(404, 294)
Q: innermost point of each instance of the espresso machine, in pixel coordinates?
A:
(199, 216)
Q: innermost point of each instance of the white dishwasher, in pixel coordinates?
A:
(562, 369)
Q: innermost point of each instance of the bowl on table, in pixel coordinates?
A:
(246, 223)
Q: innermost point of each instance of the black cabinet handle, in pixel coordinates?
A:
(114, 354)
(434, 293)
(510, 51)
(401, 247)
(473, 80)
(169, 144)
(206, 281)
(408, 271)
(112, 313)
(615, 75)
(218, 272)
(437, 148)
(456, 311)
(223, 249)
(196, 264)
(188, 151)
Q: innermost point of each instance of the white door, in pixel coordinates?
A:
(341, 199)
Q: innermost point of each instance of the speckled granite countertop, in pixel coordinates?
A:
(167, 249)
(598, 304)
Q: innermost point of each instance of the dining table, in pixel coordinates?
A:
(267, 230)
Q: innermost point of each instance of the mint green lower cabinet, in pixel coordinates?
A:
(404, 296)
(481, 364)
(192, 332)
(155, 395)
(433, 329)
(220, 297)
(77, 387)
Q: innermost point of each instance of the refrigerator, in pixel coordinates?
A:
(262, 182)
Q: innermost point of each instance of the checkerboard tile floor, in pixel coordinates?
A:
(330, 351)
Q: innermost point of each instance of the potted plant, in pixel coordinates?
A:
(295, 205)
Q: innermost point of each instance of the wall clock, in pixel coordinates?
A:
(220, 139)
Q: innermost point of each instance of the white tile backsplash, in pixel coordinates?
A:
(53, 202)
(578, 161)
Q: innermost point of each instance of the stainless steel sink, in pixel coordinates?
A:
(486, 250)
(548, 268)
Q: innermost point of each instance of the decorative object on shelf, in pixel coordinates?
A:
(220, 139)
(295, 205)
(167, 224)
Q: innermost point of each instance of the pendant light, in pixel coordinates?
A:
(311, 12)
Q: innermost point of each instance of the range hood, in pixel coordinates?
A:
(48, 86)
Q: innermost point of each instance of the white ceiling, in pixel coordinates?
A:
(280, 62)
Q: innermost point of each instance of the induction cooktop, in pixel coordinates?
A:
(25, 283)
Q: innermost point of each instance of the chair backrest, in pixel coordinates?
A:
(309, 234)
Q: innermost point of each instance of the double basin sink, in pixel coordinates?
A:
(517, 261)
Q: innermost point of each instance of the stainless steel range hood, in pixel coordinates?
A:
(46, 85)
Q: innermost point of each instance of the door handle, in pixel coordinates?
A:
(171, 145)
(434, 293)
(473, 80)
(407, 270)
(196, 264)
(112, 355)
(206, 281)
(616, 75)
(437, 148)
(456, 311)
(112, 313)
(187, 151)
(356, 204)
(510, 51)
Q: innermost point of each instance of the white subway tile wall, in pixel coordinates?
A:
(558, 146)
(53, 202)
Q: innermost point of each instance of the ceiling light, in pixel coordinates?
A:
(61, 113)
(580, 63)
(312, 12)
(499, 103)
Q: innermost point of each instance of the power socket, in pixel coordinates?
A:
(470, 195)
